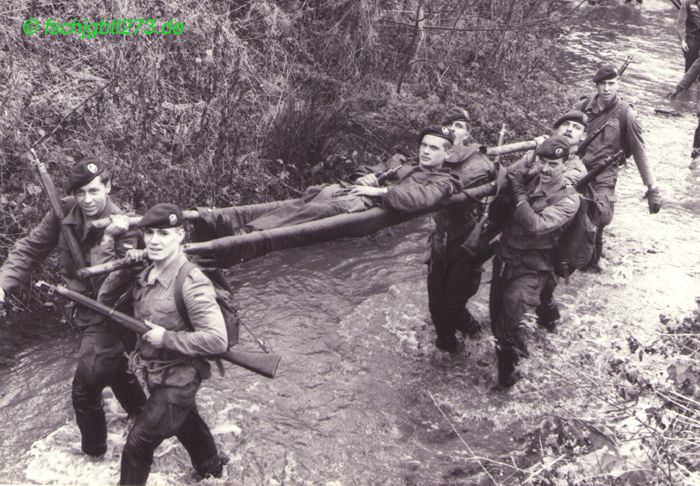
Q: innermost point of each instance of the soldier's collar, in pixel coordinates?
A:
(169, 273)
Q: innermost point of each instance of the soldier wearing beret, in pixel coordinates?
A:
(612, 127)
(692, 75)
(688, 26)
(409, 188)
(171, 352)
(526, 254)
(453, 276)
(101, 360)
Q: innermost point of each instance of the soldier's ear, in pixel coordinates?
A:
(108, 187)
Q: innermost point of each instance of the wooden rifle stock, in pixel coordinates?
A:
(262, 363)
(50, 190)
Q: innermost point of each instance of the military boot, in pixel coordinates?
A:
(507, 358)
(468, 325)
(548, 316)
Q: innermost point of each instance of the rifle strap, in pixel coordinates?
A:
(621, 111)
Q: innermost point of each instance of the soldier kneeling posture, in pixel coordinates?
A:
(172, 351)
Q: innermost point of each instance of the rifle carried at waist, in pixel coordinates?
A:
(262, 363)
(593, 173)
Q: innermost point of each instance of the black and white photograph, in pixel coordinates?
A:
(350, 242)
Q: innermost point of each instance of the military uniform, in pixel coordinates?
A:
(453, 278)
(101, 360)
(174, 373)
(524, 264)
(620, 131)
(548, 310)
(411, 188)
(688, 27)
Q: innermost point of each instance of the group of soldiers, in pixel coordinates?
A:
(540, 203)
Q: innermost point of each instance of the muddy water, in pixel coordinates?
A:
(362, 397)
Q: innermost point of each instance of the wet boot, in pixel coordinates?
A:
(447, 343)
(507, 359)
(594, 265)
(468, 325)
(548, 316)
(213, 468)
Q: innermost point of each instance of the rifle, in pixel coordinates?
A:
(50, 190)
(593, 173)
(471, 244)
(262, 363)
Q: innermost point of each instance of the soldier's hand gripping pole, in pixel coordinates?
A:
(261, 363)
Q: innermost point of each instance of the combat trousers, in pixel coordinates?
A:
(696, 140)
(329, 201)
(169, 412)
(693, 42)
(515, 291)
(603, 196)
(452, 281)
(101, 363)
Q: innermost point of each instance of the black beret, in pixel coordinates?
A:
(574, 115)
(83, 172)
(453, 114)
(555, 147)
(162, 215)
(438, 131)
(604, 73)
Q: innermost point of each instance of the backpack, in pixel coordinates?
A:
(576, 240)
(224, 298)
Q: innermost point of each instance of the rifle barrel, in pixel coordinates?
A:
(262, 363)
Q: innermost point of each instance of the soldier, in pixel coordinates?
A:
(525, 257)
(453, 277)
(688, 79)
(572, 126)
(170, 353)
(101, 360)
(688, 26)
(612, 126)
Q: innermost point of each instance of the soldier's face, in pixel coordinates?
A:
(162, 243)
(551, 170)
(607, 89)
(92, 197)
(573, 131)
(433, 151)
(460, 130)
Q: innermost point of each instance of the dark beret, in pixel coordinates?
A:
(555, 147)
(162, 215)
(83, 172)
(604, 73)
(574, 115)
(438, 131)
(453, 114)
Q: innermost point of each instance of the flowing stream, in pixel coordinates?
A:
(362, 396)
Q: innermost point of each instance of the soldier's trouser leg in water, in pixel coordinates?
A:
(515, 291)
(548, 310)
(164, 417)
(602, 215)
(100, 364)
(452, 281)
(693, 42)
